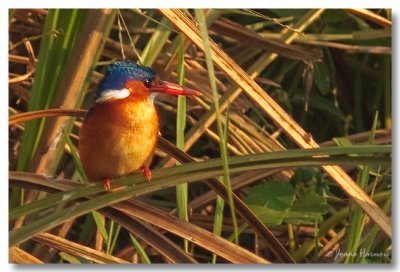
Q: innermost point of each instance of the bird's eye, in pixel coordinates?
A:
(147, 83)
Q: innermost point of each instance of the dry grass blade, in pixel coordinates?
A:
(31, 65)
(372, 17)
(26, 116)
(193, 233)
(239, 32)
(382, 136)
(350, 48)
(76, 249)
(19, 256)
(276, 113)
(150, 235)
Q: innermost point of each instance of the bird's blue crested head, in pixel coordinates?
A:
(118, 73)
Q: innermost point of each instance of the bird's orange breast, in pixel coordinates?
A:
(118, 137)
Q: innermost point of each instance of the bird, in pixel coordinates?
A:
(120, 131)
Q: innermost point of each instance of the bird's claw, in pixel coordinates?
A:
(146, 171)
(107, 184)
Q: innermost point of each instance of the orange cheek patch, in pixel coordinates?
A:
(138, 90)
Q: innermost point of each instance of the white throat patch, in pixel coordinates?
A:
(152, 96)
(109, 95)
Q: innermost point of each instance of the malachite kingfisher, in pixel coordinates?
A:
(119, 133)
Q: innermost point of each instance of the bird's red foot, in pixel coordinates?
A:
(107, 184)
(146, 171)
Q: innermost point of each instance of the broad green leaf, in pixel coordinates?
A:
(307, 209)
(267, 215)
(309, 180)
(274, 195)
(270, 201)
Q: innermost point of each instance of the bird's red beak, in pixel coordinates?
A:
(172, 89)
